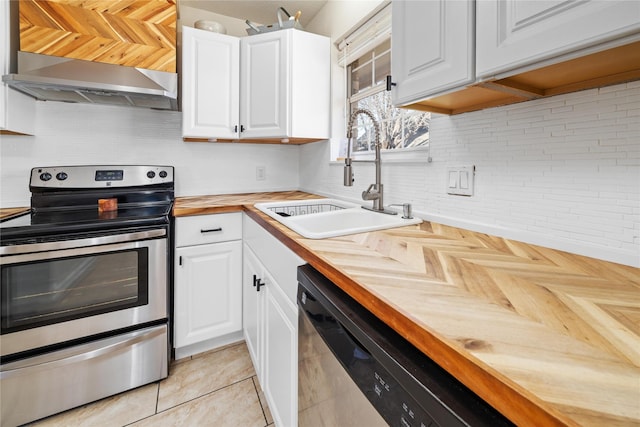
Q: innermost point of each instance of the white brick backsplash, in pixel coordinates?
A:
(562, 172)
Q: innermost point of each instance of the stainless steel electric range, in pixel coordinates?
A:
(85, 288)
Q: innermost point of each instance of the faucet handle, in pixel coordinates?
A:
(406, 210)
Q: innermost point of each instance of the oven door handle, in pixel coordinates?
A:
(88, 351)
(80, 243)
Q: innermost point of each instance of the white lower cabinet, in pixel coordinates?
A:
(207, 283)
(270, 319)
(281, 355)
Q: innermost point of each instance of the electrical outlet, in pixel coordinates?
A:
(460, 180)
(261, 173)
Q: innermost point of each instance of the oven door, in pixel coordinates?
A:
(55, 292)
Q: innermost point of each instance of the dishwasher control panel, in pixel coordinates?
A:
(394, 403)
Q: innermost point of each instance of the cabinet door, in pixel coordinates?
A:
(17, 110)
(210, 84)
(208, 292)
(281, 354)
(432, 48)
(515, 33)
(252, 309)
(264, 87)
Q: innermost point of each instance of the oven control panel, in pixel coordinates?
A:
(99, 176)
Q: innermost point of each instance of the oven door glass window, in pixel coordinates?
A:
(55, 290)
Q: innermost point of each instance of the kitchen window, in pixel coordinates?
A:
(366, 55)
(399, 128)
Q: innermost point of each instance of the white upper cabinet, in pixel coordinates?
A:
(433, 47)
(210, 84)
(17, 110)
(273, 86)
(515, 33)
(457, 56)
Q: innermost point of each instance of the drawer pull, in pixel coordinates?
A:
(211, 230)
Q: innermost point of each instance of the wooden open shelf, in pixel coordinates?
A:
(290, 141)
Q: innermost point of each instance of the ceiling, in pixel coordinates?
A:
(259, 11)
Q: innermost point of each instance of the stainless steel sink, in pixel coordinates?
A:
(322, 218)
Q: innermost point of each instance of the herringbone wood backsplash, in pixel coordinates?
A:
(133, 33)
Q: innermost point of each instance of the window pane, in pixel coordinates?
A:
(382, 67)
(382, 64)
(361, 78)
(399, 128)
(383, 48)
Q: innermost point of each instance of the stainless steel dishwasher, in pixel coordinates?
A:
(354, 370)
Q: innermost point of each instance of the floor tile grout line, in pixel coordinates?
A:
(196, 398)
(255, 387)
(157, 397)
(205, 394)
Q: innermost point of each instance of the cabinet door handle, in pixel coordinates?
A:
(390, 83)
(254, 280)
(211, 230)
(259, 283)
(180, 260)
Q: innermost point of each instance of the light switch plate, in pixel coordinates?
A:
(460, 180)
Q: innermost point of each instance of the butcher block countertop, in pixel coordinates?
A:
(8, 213)
(544, 336)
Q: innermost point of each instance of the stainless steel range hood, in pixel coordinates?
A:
(52, 78)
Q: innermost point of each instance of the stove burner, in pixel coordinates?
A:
(65, 201)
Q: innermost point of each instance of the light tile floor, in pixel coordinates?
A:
(217, 388)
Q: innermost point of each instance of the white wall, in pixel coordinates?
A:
(189, 16)
(70, 134)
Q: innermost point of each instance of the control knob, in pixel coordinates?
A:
(151, 174)
(163, 174)
(61, 176)
(46, 176)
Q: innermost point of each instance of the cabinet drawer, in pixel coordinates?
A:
(202, 229)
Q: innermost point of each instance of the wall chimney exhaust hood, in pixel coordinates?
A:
(53, 78)
(99, 52)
